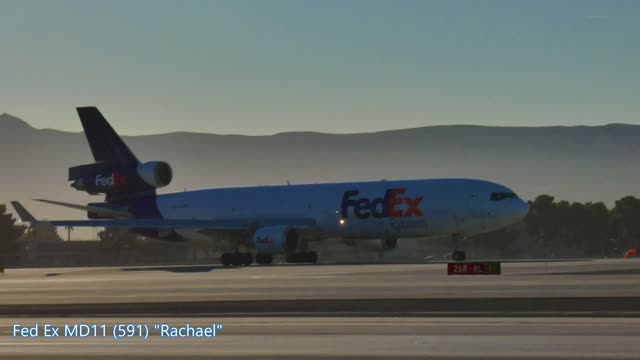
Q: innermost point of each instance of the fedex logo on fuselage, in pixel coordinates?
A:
(387, 206)
(114, 179)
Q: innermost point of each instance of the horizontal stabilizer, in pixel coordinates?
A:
(94, 209)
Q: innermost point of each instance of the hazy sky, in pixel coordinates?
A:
(262, 67)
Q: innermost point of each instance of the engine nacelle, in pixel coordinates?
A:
(155, 173)
(372, 244)
(276, 239)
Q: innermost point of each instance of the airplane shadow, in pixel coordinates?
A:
(208, 268)
(180, 268)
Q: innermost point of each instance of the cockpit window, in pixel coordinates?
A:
(497, 196)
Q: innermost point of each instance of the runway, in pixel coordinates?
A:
(340, 338)
(559, 310)
(599, 278)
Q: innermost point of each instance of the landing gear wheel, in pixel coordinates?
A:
(236, 259)
(225, 259)
(247, 259)
(312, 257)
(458, 255)
(264, 258)
(302, 257)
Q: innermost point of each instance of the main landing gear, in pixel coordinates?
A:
(236, 259)
(296, 258)
(457, 255)
(244, 259)
(303, 257)
(264, 258)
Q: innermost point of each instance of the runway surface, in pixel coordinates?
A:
(601, 278)
(392, 338)
(559, 310)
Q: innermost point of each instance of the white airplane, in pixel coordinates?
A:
(276, 219)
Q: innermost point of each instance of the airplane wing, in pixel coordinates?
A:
(212, 225)
(153, 224)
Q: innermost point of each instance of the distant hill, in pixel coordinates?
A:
(579, 163)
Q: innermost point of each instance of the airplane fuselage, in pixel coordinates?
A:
(375, 209)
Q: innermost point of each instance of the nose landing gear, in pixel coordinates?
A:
(457, 255)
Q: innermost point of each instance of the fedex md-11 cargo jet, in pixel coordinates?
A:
(276, 219)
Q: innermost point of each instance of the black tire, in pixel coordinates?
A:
(225, 259)
(295, 258)
(302, 257)
(247, 259)
(235, 259)
(458, 255)
(264, 258)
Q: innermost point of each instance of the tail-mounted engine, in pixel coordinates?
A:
(103, 178)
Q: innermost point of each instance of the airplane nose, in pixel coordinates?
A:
(510, 212)
(523, 209)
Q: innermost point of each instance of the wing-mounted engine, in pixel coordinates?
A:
(105, 178)
(276, 239)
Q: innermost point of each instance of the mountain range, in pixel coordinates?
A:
(577, 163)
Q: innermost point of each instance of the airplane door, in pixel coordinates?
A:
(473, 203)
